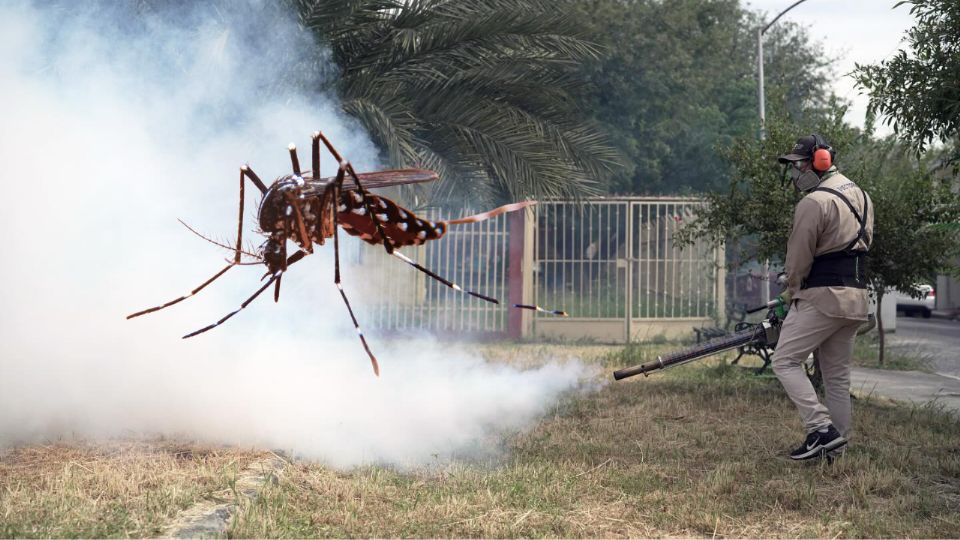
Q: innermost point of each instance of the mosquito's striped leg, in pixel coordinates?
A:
(184, 297)
(337, 184)
(441, 279)
(294, 159)
(363, 339)
(273, 278)
(542, 310)
(387, 244)
(276, 290)
(316, 155)
(283, 255)
(236, 259)
(336, 274)
(296, 257)
(333, 151)
(248, 172)
(346, 167)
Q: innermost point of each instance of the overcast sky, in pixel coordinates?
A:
(853, 31)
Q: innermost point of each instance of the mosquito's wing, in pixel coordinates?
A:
(382, 179)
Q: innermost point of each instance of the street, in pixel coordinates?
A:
(936, 340)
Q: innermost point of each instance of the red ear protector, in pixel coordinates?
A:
(822, 154)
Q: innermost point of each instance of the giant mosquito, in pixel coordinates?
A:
(307, 209)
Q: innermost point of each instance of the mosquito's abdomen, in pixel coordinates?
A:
(401, 226)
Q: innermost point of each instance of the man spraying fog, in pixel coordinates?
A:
(826, 285)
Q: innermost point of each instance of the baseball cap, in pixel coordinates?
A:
(802, 150)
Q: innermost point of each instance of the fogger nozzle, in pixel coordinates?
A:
(707, 348)
(776, 302)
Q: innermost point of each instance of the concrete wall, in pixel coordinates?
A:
(888, 313)
(948, 293)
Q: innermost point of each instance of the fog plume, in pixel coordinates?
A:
(115, 125)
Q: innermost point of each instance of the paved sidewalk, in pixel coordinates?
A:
(909, 386)
(945, 314)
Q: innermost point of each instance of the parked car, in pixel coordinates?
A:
(910, 305)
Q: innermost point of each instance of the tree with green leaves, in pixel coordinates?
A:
(918, 93)
(676, 82)
(481, 92)
(911, 206)
(759, 200)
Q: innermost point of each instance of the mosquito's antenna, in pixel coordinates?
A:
(221, 244)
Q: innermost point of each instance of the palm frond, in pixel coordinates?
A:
(483, 92)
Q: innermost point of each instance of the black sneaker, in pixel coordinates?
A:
(819, 443)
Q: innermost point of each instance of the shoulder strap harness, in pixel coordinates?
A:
(846, 267)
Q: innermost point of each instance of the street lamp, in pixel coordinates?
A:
(760, 31)
(763, 121)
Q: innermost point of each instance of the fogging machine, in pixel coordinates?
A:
(761, 337)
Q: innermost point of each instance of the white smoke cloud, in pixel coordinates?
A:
(114, 126)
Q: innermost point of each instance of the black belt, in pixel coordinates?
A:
(838, 269)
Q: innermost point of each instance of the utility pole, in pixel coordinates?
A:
(761, 30)
(762, 107)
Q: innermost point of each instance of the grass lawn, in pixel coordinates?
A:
(695, 451)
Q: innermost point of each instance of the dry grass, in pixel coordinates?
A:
(866, 353)
(113, 488)
(696, 451)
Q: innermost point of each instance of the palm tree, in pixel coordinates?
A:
(482, 92)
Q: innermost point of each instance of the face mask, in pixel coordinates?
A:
(804, 181)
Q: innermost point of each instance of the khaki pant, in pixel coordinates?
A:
(806, 329)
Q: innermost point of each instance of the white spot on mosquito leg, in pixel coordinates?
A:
(402, 226)
(342, 208)
(403, 215)
(402, 257)
(289, 210)
(422, 234)
(383, 204)
(358, 198)
(359, 211)
(382, 217)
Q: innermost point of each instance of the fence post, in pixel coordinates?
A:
(529, 235)
(628, 282)
(516, 282)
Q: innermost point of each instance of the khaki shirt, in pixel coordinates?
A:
(822, 223)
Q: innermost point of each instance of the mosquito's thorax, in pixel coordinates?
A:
(292, 200)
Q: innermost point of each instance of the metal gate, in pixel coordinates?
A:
(612, 264)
